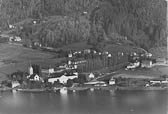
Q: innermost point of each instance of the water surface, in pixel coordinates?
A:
(97, 102)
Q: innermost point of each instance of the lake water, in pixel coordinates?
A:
(89, 102)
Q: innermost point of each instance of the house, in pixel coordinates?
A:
(91, 75)
(63, 66)
(149, 55)
(17, 39)
(47, 70)
(155, 82)
(159, 81)
(146, 63)
(86, 51)
(34, 77)
(112, 81)
(15, 84)
(133, 65)
(63, 76)
(165, 81)
(17, 76)
(70, 55)
(69, 62)
(63, 79)
(36, 43)
(51, 70)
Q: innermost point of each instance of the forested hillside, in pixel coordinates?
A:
(60, 22)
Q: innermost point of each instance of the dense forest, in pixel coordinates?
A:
(61, 22)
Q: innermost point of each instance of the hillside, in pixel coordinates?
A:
(57, 23)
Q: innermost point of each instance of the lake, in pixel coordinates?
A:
(88, 102)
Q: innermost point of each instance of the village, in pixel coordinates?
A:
(83, 70)
(83, 56)
(118, 66)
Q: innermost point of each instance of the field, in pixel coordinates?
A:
(153, 73)
(15, 57)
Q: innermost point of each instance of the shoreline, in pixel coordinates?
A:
(92, 88)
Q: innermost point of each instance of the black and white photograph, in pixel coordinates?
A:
(83, 56)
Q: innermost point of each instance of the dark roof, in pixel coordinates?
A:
(146, 61)
(32, 76)
(57, 74)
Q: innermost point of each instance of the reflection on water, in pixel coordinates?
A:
(97, 102)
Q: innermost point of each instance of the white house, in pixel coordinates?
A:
(70, 55)
(75, 66)
(146, 64)
(17, 39)
(15, 84)
(34, 77)
(91, 75)
(63, 79)
(69, 62)
(51, 70)
(112, 81)
(155, 82)
(133, 65)
(159, 81)
(48, 70)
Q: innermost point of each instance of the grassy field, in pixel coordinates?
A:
(152, 73)
(15, 57)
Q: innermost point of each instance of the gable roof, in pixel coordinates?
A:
(32, 76)
(56, 74)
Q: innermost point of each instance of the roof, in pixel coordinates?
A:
(146, 61)
(32, 76)
(56, 74)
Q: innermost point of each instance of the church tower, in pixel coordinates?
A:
(30, 69)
